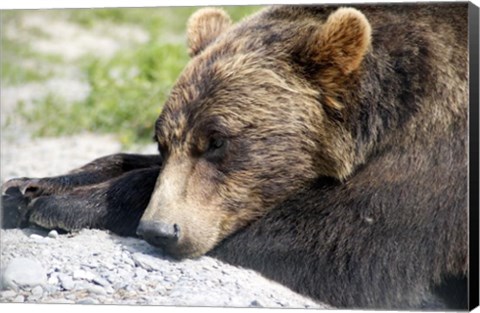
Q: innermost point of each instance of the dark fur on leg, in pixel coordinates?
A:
(97, 171)
(116, 205)
(79, 198)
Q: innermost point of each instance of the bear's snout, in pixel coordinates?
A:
(159, 234)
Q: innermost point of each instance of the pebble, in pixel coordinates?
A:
(32, 298)
(53, 280)
(8, 294)
(23, 272)
(71, 296)
(66, 282)
(92, 265)
(146, 261)
(101, 281)
(160, 289)
(19, 299)
(256, 303)
(171, 278)
(111, 278)
(97, 290)
(108, 265)
(282, 303)
(37, 291)
(140, 273)
(53, 234)
(39, 239)
(120, 285)
(52, 288)
(81, 274)
(87, 301)
(126, 258)
(35, 236)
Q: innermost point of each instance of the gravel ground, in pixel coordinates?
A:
(94, 266)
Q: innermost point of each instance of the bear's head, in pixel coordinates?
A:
(254, 117)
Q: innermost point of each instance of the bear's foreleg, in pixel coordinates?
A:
(92, 196)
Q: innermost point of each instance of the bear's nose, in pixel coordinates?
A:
(158, 234)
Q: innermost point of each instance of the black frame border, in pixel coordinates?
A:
(473, 40)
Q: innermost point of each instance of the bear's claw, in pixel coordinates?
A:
(10, 186)
(28, 187)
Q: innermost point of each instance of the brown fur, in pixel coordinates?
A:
(257, 85)
(204, 26)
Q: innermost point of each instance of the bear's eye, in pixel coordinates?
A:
(216, 143)
(216, 149)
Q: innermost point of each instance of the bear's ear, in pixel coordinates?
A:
(342, 41)
(204, 26)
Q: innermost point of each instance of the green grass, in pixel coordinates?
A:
(15, 74)
(14, 62)
(127, 94)
(127, 90)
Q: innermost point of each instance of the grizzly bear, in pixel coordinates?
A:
(324, 147)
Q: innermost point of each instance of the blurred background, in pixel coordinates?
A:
(106, 71)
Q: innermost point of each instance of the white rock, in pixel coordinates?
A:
(101, 281)
(148, 262)
(66, 282)
(37, 291)
(96, 290)
(19, 299)
(7, 294)
(39, 239)
(53, 234)
(81, 274)
(140, 273)
(53, 280)
(87, 301)
(23, 272)
(52, 288)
